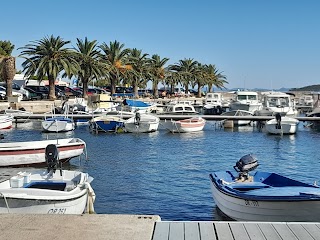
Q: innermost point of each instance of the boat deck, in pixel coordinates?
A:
(235, 231)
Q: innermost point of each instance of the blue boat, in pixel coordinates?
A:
(263, 196)
(107, 124)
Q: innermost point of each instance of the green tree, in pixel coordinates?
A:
(186, 71)
(115, 57)
(140, 72)
(88, 58)
(158, 71)
(49, 57)
(214, 77)
(7, 65)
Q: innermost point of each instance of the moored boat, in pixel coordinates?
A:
(50, 191)
(263, 196)
(282, 125)
(6, 122)
(33, 152)
(107, 124)
(194, 124)
(142, 123)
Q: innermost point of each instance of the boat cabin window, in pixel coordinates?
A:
(179, 108)
(188, 109)
(252, 97)
(242, 97)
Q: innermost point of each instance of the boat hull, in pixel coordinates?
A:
(186, 125)
(33, 153)
(146, 123)
(286, 126)
(270, 211)
(58, 125)
(5, 122)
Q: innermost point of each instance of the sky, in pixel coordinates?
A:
(254, 43)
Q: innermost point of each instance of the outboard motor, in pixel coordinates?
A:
(278, 119)
(52, 158)
(137, 118)
(246, 164)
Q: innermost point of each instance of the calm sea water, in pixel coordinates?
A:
(168, 174)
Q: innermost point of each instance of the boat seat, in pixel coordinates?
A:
(247, 186)
(60, 186)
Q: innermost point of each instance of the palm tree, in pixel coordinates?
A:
(157, 71)
(7, 65)
(88, 58)
(187, 70)
(48, 57)
(140, 72)
(115, 56)
(214, 77)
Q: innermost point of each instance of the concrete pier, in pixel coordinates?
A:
(69, 227)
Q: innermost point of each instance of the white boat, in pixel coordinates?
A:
(6, 122)
(142, 123)
(246, 100)
(33, 152)
(18, 113)
(213, 104)
(282, 125)
(236, 122)
(194, 124)
(51, 191)
(180, 109)
(263, 196)
(59, 123)
(277, 102)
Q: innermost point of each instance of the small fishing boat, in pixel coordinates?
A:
(264, 196)
(59, 123)
(50, 191)
(107, 124)
(33, 152)
(282, 125)
(6, 122)
(142, 123)
(194, 124)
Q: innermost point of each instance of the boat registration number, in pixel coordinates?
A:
(57, 211)
(251, 203)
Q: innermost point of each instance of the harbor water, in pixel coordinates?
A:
(168, 174)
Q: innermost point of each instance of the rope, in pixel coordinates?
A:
(5, 200)
(90, 200)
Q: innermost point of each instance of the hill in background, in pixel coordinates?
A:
(311, 88)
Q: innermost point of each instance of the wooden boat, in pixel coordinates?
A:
(282, 125)
(33, 152)
(106, 124)
(264, 196)
(193, 124)
(142, 123)
(48, 191)
(6, 122)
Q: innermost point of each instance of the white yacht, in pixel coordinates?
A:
(246, 100)
(277, 102)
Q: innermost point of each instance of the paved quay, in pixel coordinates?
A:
(77, 227)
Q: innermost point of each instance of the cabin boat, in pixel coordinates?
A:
(213, 104)
(194, 124)
(180, 109)
(263, 196)
(246, 100)
(236, 122)
(277, 102)
(50, 191)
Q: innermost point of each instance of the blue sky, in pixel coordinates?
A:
(255, 43)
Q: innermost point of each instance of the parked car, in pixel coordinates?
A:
(34, 95)
(3, 93)
(17, 88)
(45, 90)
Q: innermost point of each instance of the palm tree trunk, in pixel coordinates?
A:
(8, 72)
(85, 88)
(52, 92)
